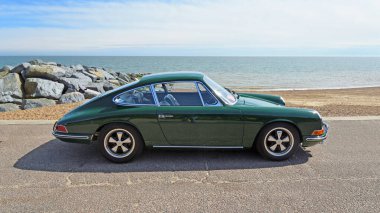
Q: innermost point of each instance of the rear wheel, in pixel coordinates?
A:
(120, 143)
(278, 141)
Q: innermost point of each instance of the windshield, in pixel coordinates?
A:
(220, 91)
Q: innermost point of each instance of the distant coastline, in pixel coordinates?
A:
(306, 89)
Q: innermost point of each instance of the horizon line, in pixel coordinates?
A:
(299, 56)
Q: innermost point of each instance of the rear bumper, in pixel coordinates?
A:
(313, 140)
(73, 138)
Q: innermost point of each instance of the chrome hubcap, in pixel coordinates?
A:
(119, 143)
(279, 141)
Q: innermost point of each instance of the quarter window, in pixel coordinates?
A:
(208, 98)
(177, 94)
(220, 91)
(139, 96)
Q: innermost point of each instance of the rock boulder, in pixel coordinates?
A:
(96, 86)
(20, 68)
(123, 76)
(36, 62)
(35, 83)
(74, 83)
(45, 71)
(6, 68)
(71, 98)
(106, 74)
(92, 76)
(88, 93)
(81, 76)
(41, 88)
(97, 72)
(11, 85)
(78, 67)
(108, 86)
(9, 107)
(3, 73)
(5, 98)
(34, 103)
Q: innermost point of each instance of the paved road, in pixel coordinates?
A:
(38, 173)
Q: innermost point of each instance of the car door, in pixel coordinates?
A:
(137, 106)
(186, 120)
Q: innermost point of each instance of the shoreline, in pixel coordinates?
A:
(364, 101)
(303, 89)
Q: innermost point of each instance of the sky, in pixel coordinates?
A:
(190, 27)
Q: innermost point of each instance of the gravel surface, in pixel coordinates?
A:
(41, 174)
(43, 113)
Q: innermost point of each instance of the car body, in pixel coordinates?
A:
(188, 110)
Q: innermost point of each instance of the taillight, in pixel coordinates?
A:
(61, 128)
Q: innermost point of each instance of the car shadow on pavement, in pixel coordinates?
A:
(57, 156)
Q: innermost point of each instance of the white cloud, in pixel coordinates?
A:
(255, 24)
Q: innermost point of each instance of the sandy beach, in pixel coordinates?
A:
(334, 102)
(331, 102)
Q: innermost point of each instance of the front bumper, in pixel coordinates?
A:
(312, 140)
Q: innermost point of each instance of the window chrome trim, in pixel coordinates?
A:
(168, 82)
(155, 97)
(196, 86)
(150, 89)
(208, 90)
(154, 94)
(199, 93)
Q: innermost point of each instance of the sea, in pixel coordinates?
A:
(260, 73)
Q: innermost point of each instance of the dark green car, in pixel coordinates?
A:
(189, 110)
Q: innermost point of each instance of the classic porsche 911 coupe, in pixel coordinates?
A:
(189, 110)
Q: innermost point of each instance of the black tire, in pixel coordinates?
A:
(268, 145)
(109, 140)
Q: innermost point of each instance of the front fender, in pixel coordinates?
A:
(256, 118)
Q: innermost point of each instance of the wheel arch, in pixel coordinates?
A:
(117, 122)
(277, 121)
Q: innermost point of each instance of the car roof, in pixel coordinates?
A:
(171, 76)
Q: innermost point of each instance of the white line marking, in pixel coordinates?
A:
(352, 118)
(20, 122)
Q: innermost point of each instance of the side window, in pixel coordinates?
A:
(139, 96)
(177, 94)
(208, 98)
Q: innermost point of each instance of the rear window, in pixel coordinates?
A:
(138, 96)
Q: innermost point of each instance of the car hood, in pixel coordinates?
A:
(245, 101)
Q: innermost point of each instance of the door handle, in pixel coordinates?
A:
(163, 116)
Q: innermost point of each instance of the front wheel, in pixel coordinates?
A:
(278, 141)
(120, 143)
